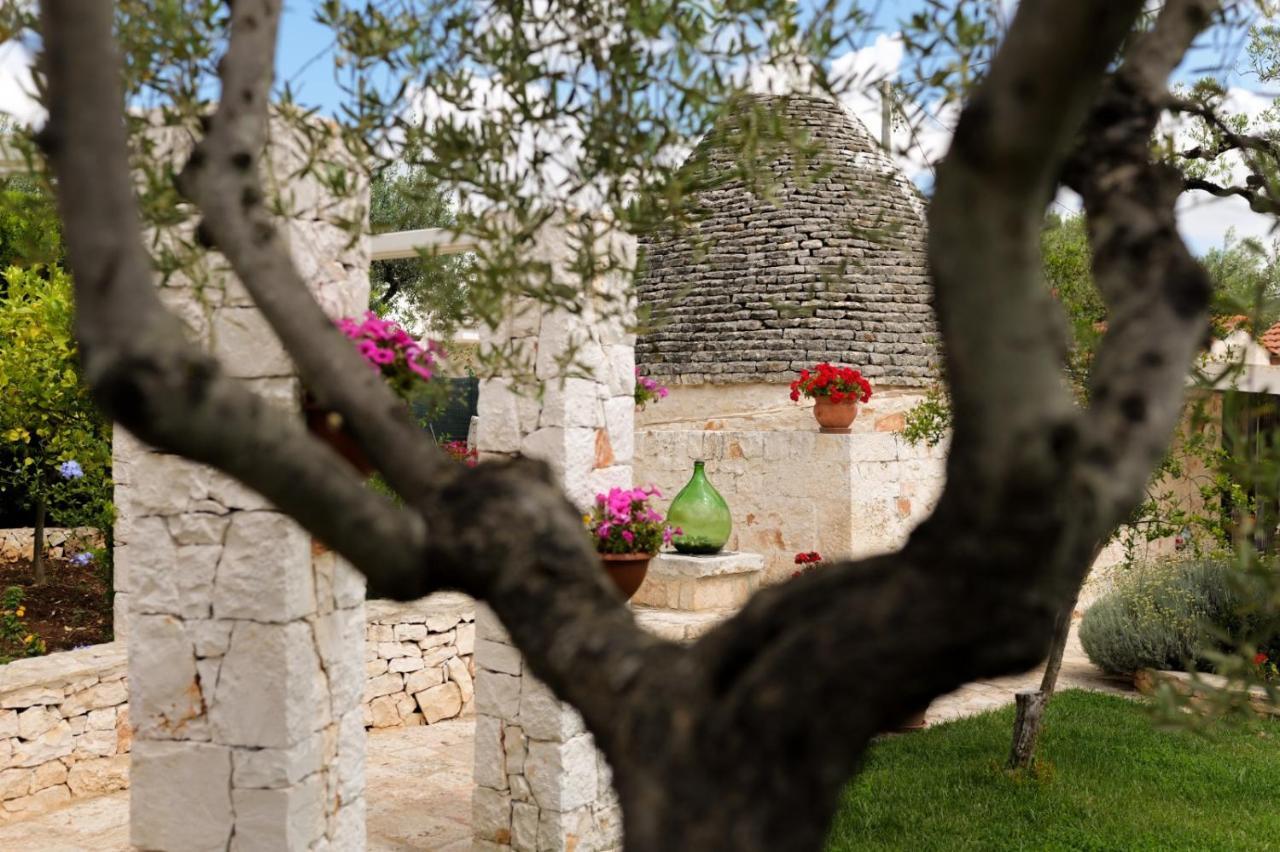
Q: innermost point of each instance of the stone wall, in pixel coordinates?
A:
(16, 543)
(64, 729)
(541, 785)
(64, 718)
(576, 411)
(419, 661)
(245, 640)
(791, 491)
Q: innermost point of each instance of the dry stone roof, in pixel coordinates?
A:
(833, 271)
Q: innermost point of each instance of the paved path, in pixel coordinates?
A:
(419, 779)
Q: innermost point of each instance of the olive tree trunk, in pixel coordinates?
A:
(744, 739)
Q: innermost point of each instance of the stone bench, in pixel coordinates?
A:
(700, 583)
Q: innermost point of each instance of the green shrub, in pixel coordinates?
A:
(1164, 615)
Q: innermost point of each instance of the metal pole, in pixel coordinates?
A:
(886, 114)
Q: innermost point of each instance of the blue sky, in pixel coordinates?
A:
(305, 61)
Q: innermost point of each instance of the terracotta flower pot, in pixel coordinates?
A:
(834, 417)
(627, 570)
(327, 426)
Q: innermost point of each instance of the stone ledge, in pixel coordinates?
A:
(63, 668)
(678, 565)
(678, 626)
(437, 608)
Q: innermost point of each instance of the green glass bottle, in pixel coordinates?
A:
(701, 514)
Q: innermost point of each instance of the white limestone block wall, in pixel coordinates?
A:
(540, 783)
(64, 729)
(792, 491)
(245, 639)
(419, 661)
(576, 408)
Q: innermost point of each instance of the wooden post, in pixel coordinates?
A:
(1026, 728)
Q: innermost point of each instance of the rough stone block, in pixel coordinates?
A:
(245, 344)
(562, 776)
(271, 692)
(497, 657)
(490, 755)
(265, 573)
(545, 717)
(497, 694)
(491, 815)
(99, 776)
(272, 768)
(272, 820)
(195, 814)
(439, 702)
(164, 690)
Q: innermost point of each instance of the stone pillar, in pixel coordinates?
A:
(540, 783)
(245, 638)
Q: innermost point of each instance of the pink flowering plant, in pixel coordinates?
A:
(647, 390)
(460, 452)
(622, 521)
(392, 351)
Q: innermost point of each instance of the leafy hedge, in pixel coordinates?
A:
(1166, 615)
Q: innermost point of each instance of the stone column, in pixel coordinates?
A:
(245, 638)
(540, 783)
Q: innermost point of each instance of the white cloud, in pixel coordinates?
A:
(919, 134)
(17, 89)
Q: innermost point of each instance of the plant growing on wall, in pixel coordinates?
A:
(55, 450)
(648, 390)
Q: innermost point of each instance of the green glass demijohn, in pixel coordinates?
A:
(701, 515)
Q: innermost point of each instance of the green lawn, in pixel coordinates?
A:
(1114, 782)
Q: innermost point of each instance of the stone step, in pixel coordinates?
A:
(700, 583)
(678, 626)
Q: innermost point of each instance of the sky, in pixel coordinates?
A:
(305, 61)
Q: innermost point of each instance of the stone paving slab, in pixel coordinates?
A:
(419, 779)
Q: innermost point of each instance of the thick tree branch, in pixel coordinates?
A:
(1156, 292)
(502, 532)
(1258, 202)
(143, 371)
(223, 178)
(1230, 140)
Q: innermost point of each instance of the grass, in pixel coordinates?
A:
(1110, 781)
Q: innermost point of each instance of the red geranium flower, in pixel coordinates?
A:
(1260, 658)
(838, 383)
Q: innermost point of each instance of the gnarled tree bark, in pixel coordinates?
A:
(708, 748)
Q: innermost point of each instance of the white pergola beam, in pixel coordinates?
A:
(402, 244)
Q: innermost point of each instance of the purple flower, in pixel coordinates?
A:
(71, 470)
(628, 536)
(82, 559)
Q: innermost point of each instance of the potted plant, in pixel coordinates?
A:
(396, 355)
(627, 532)
(836, 392)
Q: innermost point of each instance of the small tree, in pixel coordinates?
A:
(55, 447)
